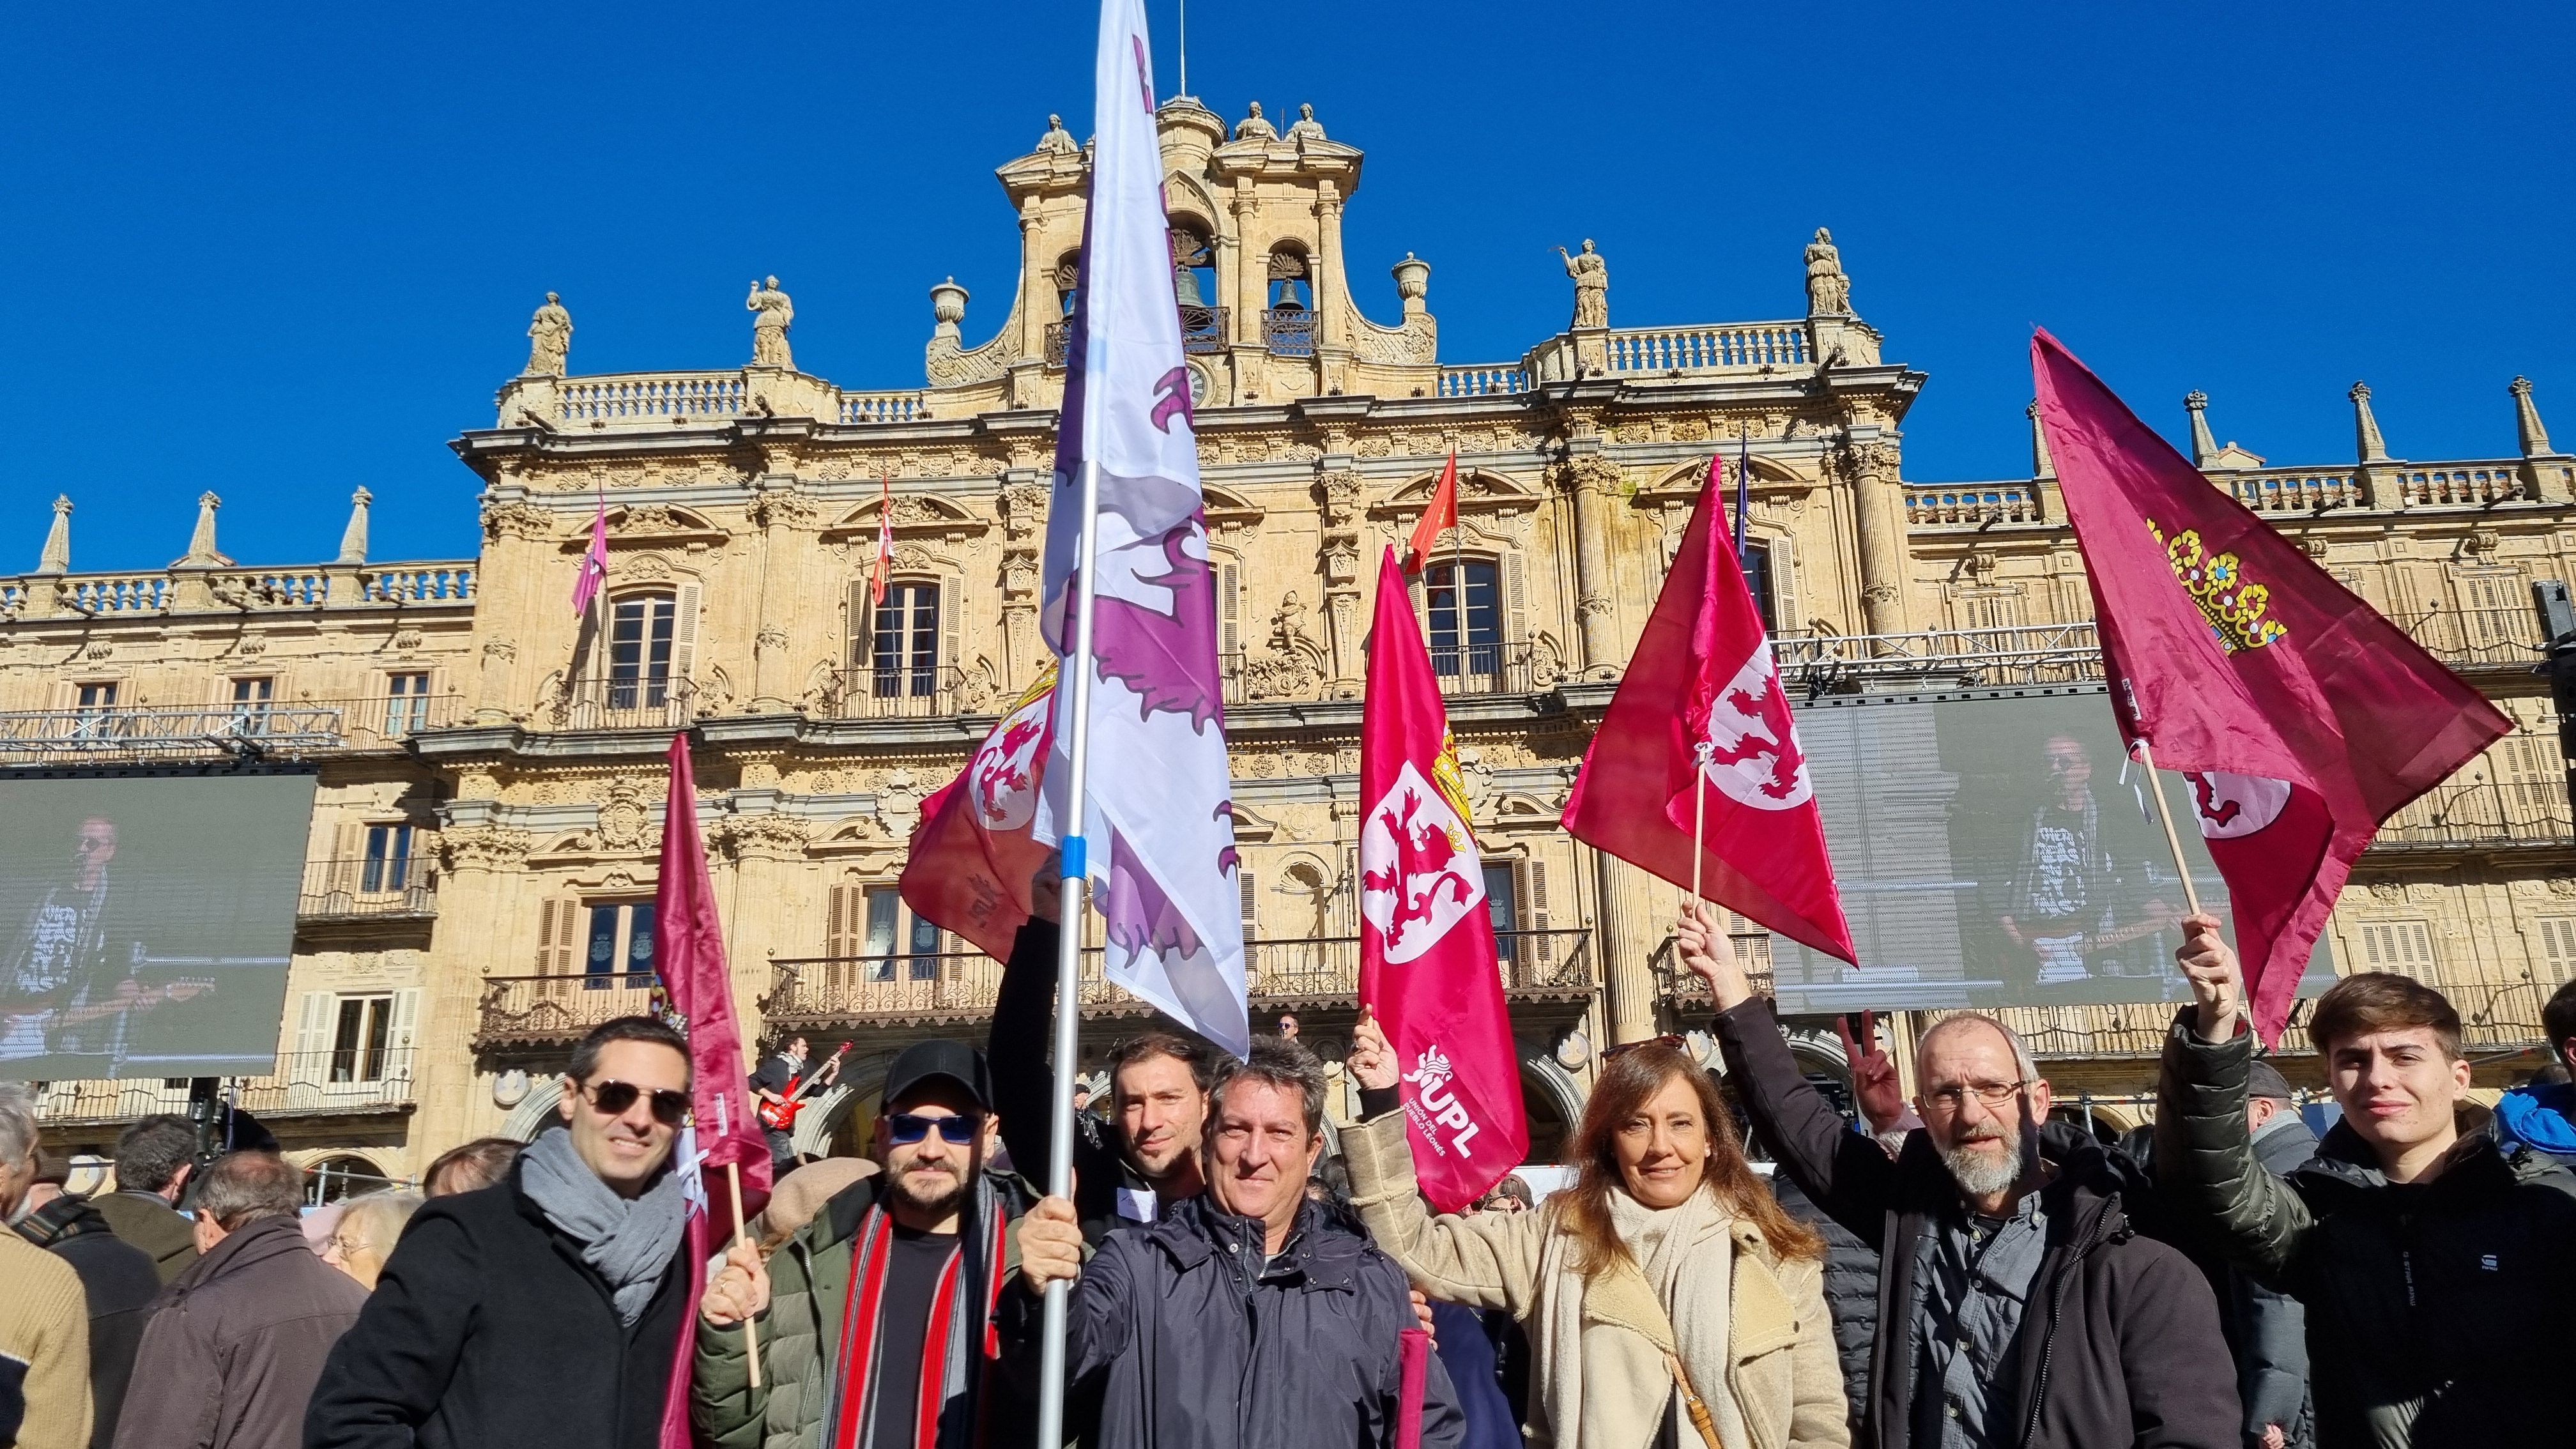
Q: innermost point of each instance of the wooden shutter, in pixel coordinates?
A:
(1534, 906)
(2398, 945)
(313, 1027)
(1229, 593)
(845, 927)
(860, 623)
(558, 926)
(684, 633)
(2558, 942)
(1515, 600)
(348, 847)
(406, 1021)
(1251, 905)
(952, 653)
(1784, 588)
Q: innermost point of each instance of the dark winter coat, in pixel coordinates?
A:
(143, 1219)
(1017, 1050)
(237, 1343)
(1192, 1344)
(2114, 1347)
(120, 1282)
(2437, 1311)
(1851, 1293)
(1472, 1357)
(488, 1331)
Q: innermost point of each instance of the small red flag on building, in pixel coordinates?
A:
(689, 964)
(1701, 730)
(2302, 718)
(883, 567)
(1427, 962)
(1441, 513)
(594, 563)
(973, 864)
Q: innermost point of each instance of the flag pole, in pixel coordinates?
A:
(1699, 813)
(2173, 839)
(1068, 954)
(733, 1180)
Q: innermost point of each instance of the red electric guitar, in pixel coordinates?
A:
(780, 1116)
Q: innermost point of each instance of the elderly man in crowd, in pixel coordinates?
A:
(2021, 1308)
(118, 1281)
(1246, 1316)
(239, 1339)
(545, 1311)
(45, 1397)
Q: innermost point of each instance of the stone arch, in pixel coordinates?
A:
(535, 1111)
(337, 1176)
(1545, 1082)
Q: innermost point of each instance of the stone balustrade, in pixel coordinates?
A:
(2460, 484)
(649, 397)
(1975, 505)
(881, 407)
(96, 594)
(236, 591)
(2295, 490)
(1743, 347)
(449, 583)
(1484, 379)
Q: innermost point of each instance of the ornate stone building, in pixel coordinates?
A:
(483, 847)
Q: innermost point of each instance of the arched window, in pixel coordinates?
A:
(903, 642)
(334, 1179)
(642, 638)
(1193, 264)
(1463, 609)
(1288, 322)
(1068, 284)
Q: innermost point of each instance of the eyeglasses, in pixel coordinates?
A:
(1993, 1094)
(906, 1128)
(612, 1098)
(1613, 1053)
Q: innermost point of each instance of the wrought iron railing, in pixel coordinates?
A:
(542, 1010)
(351, 1079)
(376, 886)
(1288, 331)
(631, 702)
(1203, 332)
(2021, 654)
(2485, 813)
(903, 691)
(286, 727)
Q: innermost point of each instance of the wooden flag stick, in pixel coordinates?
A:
(1699, 811)
(2173, 840)
(733, 1180)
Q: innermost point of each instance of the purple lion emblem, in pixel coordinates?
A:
(1167, 659)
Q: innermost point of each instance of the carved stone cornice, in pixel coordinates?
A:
(761, 837)
(483, 847)
(517, 519)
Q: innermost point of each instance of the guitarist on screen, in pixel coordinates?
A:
(67, 985)
(781, 1084)
(2072, 910)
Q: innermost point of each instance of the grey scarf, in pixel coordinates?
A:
(630, 1242)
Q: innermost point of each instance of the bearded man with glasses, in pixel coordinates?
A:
(2018, 1306)
(876, 1318)
(546, 1308)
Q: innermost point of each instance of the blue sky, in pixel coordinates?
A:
(282, 253)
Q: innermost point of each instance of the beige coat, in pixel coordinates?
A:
(1781, 1369)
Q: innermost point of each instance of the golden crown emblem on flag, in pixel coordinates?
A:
(2216, 582)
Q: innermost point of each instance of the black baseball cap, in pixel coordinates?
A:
(925, 1061)
(2262, 1079)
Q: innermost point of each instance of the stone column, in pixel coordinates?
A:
(778, 510)
(767, 854)
(1878, 519)
(477, 938)
(1629, 932)
(1024, 505)
(2381, 485)
(1595, 481)
(2539, 481)
(1341, 565)
(2203, 446)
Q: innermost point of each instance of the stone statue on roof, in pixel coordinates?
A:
(1591, 274)
(772, 314)
(1828, 290)
(549, 339)
(1255, 127)
(1058, 141)
(1305, 127)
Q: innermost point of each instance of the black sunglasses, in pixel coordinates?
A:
(906, 1128)
(612, 1098)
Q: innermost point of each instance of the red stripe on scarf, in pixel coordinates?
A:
(934, 1355)
(858, 1331)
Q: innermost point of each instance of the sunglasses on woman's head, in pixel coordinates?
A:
(612, 1098)
(906, 1128)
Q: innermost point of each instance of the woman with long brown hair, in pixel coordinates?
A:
(1670, 1302)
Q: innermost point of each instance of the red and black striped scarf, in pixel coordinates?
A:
(854, 1402)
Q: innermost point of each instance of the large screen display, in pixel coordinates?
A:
(146, 921)
(1996, 849)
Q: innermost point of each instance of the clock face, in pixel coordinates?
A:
(1201, 384)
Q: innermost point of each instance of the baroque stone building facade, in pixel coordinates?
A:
(483, 846)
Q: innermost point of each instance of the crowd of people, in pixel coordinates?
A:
(1956, 1271)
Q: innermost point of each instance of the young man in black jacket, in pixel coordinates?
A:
(2435, 1265)
(543, 1310)
(2018, 1309)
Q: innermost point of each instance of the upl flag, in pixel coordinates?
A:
(1700, 723)
(689, 964)
(973, 861)
(1427, 964)
(2301, 717)
(1159, 820)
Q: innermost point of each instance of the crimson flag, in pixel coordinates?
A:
(883, 566)
(1440, 513)
(2302, 718)
(973, 863)
(689, 962)
(1427, 962)
(1702, 702)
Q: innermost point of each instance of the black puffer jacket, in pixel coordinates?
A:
(1194, 1344)
(1851, 1293)
(2436, 1310)
(2114, 1348)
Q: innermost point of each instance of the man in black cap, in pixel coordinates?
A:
(876, 1318)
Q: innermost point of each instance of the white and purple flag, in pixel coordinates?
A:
(1159, 820)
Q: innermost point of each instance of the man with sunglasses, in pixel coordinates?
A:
(2018, 1306)
(546, 1308)
(876, 1316)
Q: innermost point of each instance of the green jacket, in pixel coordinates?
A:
(809, 1292)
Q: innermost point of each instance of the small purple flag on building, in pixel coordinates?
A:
(594, 563)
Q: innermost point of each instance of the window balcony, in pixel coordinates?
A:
(267, 727)
(907, 691)
(348, 1082)
(372, 888)
(633, 702)
(1288, 331)
(527, 1011)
